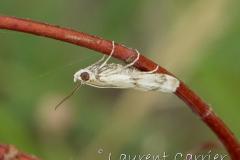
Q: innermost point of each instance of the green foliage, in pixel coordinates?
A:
(37, 72)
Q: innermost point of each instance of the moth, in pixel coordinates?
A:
(111, 75)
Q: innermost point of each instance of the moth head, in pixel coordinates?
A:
(83, 75)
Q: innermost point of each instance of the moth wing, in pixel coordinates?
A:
(112, 76)
(156, 82)
(117, 80)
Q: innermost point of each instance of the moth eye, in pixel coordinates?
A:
(85, 76)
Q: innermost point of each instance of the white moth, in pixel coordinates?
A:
(104, 75)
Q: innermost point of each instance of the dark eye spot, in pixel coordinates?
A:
(85, 76)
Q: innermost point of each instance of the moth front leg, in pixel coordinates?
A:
(100, 60)
(110, 55)
(133, 62)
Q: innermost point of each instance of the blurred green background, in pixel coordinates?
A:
(198, 40)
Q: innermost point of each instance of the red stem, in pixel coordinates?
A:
(9, 152)
(121, 52)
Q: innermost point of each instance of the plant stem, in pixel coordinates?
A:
(197, 105)
(9, 152)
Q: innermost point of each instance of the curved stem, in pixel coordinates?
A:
(9, 152)
(198, 106)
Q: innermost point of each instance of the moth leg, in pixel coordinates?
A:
(110, 55)
(100, 60)
(152, 71)
(133, 62)
(96, 63)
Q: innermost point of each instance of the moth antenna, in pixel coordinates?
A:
(68, 96)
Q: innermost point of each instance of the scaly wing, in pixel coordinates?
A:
(112, 76)
(155, 82)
